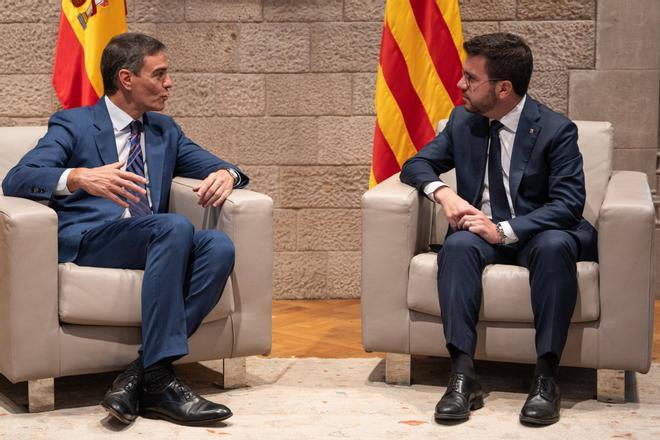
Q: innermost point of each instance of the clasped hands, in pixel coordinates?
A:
(461, 215)
(110, 182)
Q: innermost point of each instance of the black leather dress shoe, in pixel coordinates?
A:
(543, 401)
(121, 400)
(179, 404)
(463, 394)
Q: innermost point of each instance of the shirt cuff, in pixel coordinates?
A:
(511, 236)
(61, 188)
(430, 188)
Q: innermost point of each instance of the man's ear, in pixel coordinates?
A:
(504, 89)
(125, 79)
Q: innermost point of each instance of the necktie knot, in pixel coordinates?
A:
(495, 126)
(136, 127)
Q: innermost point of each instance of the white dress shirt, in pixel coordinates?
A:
(507, 137)
(121, 122)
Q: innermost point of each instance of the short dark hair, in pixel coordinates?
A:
(507, 57)
(126, 51)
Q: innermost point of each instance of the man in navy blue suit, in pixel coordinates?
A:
(107, 169)
(519, 200)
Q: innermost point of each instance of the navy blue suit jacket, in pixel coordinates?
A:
(546, 178)
(84, 137)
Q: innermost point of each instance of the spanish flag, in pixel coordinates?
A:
(86, 27)
(421, 57)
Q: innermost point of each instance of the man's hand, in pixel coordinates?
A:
(481, 225)
(215, 189)
(108, 181)
(453, 205)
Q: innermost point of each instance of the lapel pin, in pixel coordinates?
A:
(531, 131)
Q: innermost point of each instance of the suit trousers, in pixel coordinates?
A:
(550, 256)
(185, 272)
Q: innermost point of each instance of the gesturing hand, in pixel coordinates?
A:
(215, 189)
(108, 181)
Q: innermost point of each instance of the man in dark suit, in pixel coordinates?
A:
(519, 200)
(107, 169)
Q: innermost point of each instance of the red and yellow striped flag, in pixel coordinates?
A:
(86, 27)
(421, 58)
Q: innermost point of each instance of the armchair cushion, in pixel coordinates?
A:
(506, 296)
(111, 297)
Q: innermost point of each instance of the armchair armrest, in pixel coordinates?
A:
(247, 218)
(29, 323)
(395, 224)
(625, 253)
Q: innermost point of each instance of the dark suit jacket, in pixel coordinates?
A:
(84, 137)
(546, 178)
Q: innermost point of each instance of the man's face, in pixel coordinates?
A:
(150, 88)
(478, 92)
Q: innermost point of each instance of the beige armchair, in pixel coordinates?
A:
(62, 319)
(612, 326)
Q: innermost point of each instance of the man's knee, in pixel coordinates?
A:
(461, 242)
(552, 250)
(175, 225)
(553, 244)
(219, 245)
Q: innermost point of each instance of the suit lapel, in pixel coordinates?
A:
(526, 135)
(105, 136)
(155, 152)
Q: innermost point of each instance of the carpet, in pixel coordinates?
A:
(345, 399)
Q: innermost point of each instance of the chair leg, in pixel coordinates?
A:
(234, 373)
(611, 386)
(397, 368)
(41, 395)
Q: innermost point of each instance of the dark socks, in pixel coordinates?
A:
(547, 365)
(158, 375)
(461, 362)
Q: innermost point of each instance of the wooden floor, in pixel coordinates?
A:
(331, 329)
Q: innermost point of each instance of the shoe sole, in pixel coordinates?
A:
(161, 416)
(476, 404)
(126, 419)
(535, 421)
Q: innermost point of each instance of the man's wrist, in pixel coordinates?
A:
(440, 193)
(500, 233)
(232, 172)
(430, 188)
(72, 180)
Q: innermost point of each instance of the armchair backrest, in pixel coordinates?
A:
(595, 140)
(14, 143)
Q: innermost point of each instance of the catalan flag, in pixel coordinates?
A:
(421, 59)
(86, 27)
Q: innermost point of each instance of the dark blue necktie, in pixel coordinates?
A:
(135, 164)
(499, 205)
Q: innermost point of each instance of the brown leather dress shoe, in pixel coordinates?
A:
(463, 394)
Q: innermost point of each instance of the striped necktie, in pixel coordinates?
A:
(135, 165)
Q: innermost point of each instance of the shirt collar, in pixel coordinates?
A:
(120, 119)
(510, 120)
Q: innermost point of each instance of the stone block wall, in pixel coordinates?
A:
(285, 89)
